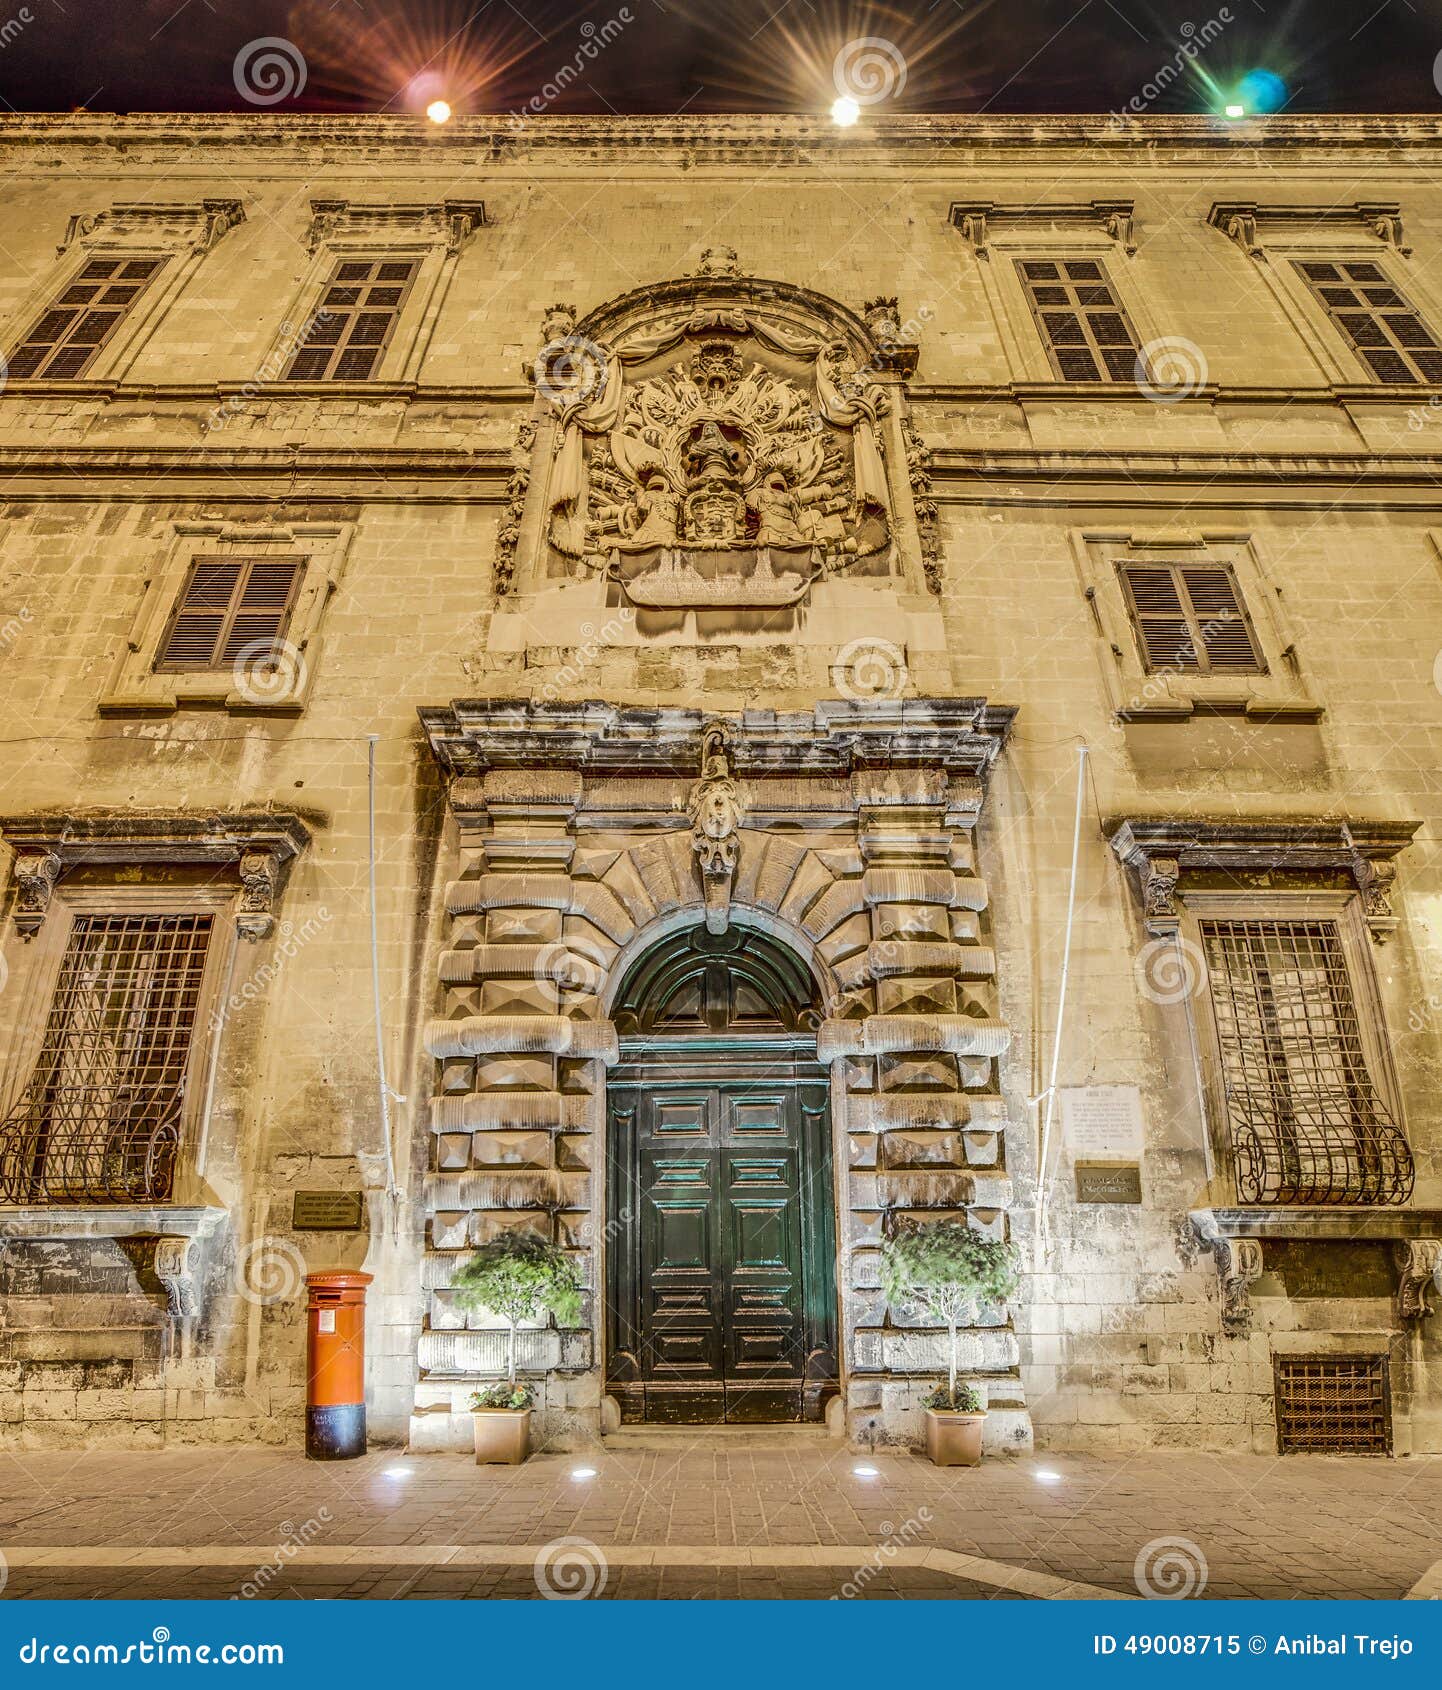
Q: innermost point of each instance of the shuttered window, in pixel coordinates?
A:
(67, 337)
(230, 608)
(354, 321)
(1081, 320)
(1189, 617)
(1380, 323)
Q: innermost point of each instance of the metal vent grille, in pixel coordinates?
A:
(1333, 1405)
(100, 1119)
(1307, 1123)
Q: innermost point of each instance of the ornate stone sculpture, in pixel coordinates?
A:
(719, 478)
(715, 809)
(259, 871)
(1417, 1261)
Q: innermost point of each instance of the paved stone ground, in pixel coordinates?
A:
(798, 1523)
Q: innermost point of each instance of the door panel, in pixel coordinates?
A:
(713, 1313)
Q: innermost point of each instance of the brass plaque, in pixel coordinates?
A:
(1108, 1182)
(328, 1211)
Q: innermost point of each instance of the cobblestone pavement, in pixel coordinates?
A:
(806, 1523)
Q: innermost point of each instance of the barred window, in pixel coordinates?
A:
(1081, 320)
(70, 333)
(1307, 1122)
(100, 1119)
(1189, 617)
(230, 609)
(1380, 322)
(355, 320)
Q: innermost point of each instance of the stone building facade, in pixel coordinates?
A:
(709, 687)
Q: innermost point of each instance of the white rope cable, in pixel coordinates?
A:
(393, 1193)
(1049, 1094)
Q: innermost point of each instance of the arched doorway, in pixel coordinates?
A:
(721, 1297)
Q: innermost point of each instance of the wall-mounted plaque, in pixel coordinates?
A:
(1108, 1182)
(1102, 1121)
(328, 1211)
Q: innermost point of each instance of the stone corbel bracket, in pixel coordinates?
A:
(257, 845)
(1242, 220)
(1239, 1266)
(1162, 853)
(449, 223)
(196, 226)
(1419, 1261)
(976, 219)
(177, 1265)
(896, 352)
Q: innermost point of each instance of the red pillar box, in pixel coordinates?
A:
(335, 1355)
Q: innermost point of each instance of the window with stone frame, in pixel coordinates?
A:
(354, 320)
(1086, 332)
(1189, 618)
(1379, 322)
(100, 1119)
(64, 341)
(231, 609)
(1306, 1118)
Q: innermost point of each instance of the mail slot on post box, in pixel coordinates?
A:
(335, 1415)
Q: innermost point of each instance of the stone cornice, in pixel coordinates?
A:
(838, 738)
(803, 137)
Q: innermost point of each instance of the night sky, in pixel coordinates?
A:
(664, 56)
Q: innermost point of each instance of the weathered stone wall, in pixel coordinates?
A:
(1284, 453)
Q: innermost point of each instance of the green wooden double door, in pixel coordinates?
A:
(722, 1258)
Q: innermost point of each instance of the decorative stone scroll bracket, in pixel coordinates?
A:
(977, 220)
(1419, 1261)
(450, 223)
(1239, 1266)
(177, 1265)
(1242, 220)
(1164, 852)
(257, 845)
(196, 226)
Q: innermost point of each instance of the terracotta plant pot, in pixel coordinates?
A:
(502, 1435)
(952, 1439)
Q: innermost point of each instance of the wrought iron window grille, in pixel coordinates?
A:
(100, 1120)
(1307, 1123)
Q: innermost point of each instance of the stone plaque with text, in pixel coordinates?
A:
(1103, 1182)
(328, 1211)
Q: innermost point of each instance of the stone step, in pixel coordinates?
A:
(719, 1440)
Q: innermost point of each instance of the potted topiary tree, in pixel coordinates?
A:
(945, 1268)
(519, 1276)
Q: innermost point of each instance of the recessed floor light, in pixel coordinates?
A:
(867, 1472)
(1047, 1477)
(398, 1472)
(583, 1472)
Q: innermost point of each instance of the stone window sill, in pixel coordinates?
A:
(1300, 1221)
(101, 1220)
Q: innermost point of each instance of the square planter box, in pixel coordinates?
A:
(954, 1440)
(503, 1435)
